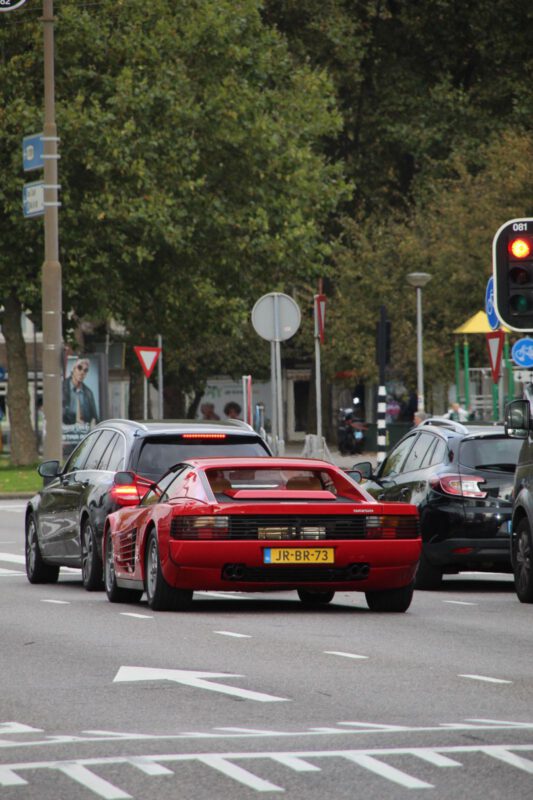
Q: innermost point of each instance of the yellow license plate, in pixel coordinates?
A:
(299, 555)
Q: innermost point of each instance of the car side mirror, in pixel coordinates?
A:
(49, 469)
(364, 468)
(517, 419)
(354, 474)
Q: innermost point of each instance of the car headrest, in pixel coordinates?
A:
(309, 484)
(219, 485)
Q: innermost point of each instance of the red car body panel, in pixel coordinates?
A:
(200, 564)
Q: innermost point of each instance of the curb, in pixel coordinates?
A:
(16, 495)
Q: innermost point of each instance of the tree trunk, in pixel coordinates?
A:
(23, 447)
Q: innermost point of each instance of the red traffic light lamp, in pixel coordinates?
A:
(512, 264)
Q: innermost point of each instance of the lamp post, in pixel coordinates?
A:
(419, 280)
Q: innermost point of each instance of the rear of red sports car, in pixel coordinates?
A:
(276, 524)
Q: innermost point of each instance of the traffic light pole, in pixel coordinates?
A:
(51, 271)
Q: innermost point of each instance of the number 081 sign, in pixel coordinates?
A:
(11, 5)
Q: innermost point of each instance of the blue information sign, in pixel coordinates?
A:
(522, 352)
(32, 152)
(33, 199)
(494, 322)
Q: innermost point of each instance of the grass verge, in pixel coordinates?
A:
(18, 479)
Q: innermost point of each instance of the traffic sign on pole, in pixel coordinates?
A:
(492, 317)
(522, 352)
(495, 347)
(11, 5)
(33, 199)
(148, 357)
(32, 152)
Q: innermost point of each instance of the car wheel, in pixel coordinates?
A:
(390, 599)
(427, 576)
(91, 563)
(161, 596)
(116, 594)
(310, 598)
(523, 566)
(37, 570)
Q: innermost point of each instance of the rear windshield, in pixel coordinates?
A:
(158, 455)
(500, 455)
(221, 480)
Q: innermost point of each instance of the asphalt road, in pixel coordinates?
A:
(254, 695)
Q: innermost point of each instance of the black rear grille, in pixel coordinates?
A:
(285, 574)
(291, 527)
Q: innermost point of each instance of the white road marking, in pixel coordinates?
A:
(94, 783)
(17, 507)
(225, 595)
(193, 678)
(369, 759)
(137, 616)
(239, 774)
(357, 729)
(385, 771)
(340, 653)
(12, 558)
(484, 678)
(460, 603)
(236, 635)
(6, 572)
(57, 602)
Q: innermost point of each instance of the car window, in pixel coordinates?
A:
(418, 451)
(491, 453)
(395, 459)
(436, 455)
(104, 461)
(160, 491)
(79, 456)
(158, 455)
(95, 456)
(117, 453)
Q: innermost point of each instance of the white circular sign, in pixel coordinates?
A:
(276, 317)
(10, 5)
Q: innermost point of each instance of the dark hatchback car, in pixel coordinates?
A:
(461, 479)
(65, 520)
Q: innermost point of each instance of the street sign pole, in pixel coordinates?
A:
(319, 312)
(279, 385)
(160, 376)
(51, 272)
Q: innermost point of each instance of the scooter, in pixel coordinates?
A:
(350, 433)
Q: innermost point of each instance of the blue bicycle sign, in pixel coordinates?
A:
(494, 322)
(522, 352)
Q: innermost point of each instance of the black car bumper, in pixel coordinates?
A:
(463, 554)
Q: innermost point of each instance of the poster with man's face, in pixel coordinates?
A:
(81, 390)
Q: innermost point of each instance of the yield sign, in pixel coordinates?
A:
(148, 357)
(495, 346)
(320, 316)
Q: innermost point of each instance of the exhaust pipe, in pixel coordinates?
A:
(233, 572)
(358, 572)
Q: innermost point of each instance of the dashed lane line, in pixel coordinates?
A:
(235, 635)
(484, 678)
(340, 653)
(136, 616)
(460, 603)
(57, 602)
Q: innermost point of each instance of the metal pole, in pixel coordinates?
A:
(467, 375)
(274, 415)
(160, 376)
(318, 392)
(419, 351)
(51, 273)
(382, 391)
(457, 371)
(145, 397)
(277, 336)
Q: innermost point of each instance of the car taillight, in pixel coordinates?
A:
(201, 527)
(392, 527)
(459, 485)
(126, 494)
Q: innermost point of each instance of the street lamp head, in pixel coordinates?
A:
(418, 279)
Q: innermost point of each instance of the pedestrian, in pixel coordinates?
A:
(457, 413)
(232, 410)
(419, 417)
(208, 411)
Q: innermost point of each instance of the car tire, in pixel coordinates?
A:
(390, 600)
(160, 595)
(91, 563)
(523, 563)
(427, 576)
(37, 570)
(115, 594)
(310, 598)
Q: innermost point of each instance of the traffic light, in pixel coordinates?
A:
(512, 263)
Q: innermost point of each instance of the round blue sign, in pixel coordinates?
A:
(494, 322)
(522, 352)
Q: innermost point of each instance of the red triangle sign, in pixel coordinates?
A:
(148, 357)
(495, 346)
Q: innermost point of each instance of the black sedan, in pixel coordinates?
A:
(65, 520)
(461, 479)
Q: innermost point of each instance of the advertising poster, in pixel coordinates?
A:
(81, 398)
